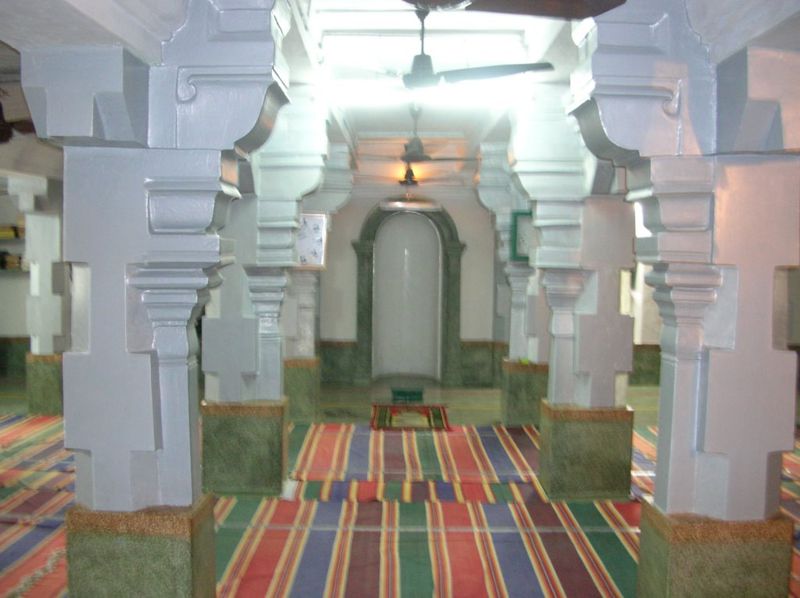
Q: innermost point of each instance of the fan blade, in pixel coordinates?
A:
(492, 72)
(446, 159)
(565, 9)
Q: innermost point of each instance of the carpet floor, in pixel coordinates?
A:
(369, 513)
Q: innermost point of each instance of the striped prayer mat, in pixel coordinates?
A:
(533, 548)
(36, 489)
(461, 454)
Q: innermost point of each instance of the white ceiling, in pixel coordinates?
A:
(360, 50)
(365, 47)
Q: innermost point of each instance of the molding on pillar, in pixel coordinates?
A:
(288, 167)
(644, 69)
(337, 182)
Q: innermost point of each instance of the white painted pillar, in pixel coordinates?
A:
(304, 287)
(518, 276)
(499, 194)
(47, 305)
(147, 179)
(694, 136)
(604, 346)
(327, 198)
(288, 167)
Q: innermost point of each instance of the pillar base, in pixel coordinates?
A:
(646, 366)
(524, 387)
(690, 555)
(43, 381)
(585, 452)
(301, 382)
(12, 356)
(245, 447)
(164, 551)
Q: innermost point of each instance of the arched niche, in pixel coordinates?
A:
(452, 248)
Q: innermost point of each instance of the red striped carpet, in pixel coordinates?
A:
(369, 514)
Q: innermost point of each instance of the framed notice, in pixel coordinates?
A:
(521, 235)
(311, 238)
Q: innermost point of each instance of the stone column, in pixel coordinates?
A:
(582, 233)
(248, 426)
(523, 381)
(330, 196)
(704, 145)
(301, 367)
(148, 175)
(47, 306)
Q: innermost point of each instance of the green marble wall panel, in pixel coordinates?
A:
(585, 453)
(301, 384)
(478, 364)
(244, 447)
(524, 387)
(12, 356)
(646, 366)
(337, 362)
(145, 557)
(43, 384)
(499, 355)
(687, 556)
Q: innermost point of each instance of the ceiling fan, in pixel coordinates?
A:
(7, 128)
(565, 9)
(414, 153)
(423, 75)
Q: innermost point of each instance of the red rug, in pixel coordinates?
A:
(409, 417)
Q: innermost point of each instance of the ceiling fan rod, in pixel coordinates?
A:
(421, 14)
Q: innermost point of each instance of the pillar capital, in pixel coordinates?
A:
(646, 85)
(289, 166)
(337, 182)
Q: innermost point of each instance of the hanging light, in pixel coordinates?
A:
(409, 178)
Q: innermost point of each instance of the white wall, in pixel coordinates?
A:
(338, 281)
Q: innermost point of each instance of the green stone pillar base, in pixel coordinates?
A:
(301, 383)
(524, 387)
(689, 555)
(164, 551)
(12, 356)
(245, 447)
(43, 382)
(585, 452)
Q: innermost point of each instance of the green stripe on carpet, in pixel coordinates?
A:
(616, 559)
(231, 531)
(416, 578)
(427, 456)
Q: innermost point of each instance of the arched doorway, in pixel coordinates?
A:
(450, 321)
(406, 297)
